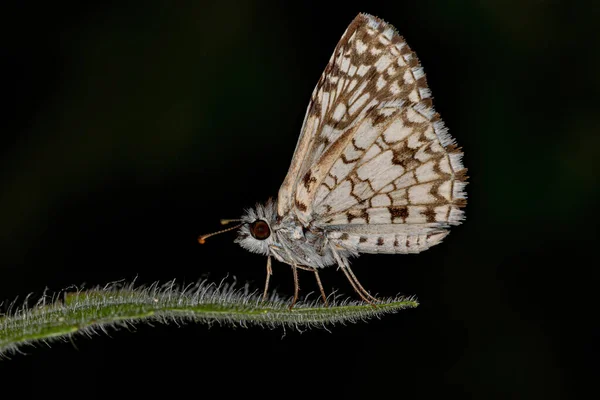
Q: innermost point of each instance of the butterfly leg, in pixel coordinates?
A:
(318, 282)
(269, 273)
(296, 285)
(350, 274)
(294, 272)
(274, 251)
(358, 288)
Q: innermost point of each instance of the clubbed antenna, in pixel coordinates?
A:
(202, 238)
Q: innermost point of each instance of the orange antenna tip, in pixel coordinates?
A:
(202, 239)
(228, 221)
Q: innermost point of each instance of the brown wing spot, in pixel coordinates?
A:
(428, 103)
(368, 58)
(361, 214)
(380, 118)
(461, 175)
(398, 212)
(396, 244)
(422, 82)
(322, 140)
(308, 180)
(301, 206)
(429, 213)
(344, 236)
(397, 39)
(404, 156)
(460, 202)
(362, 239)
(453, 148)
(380, 241)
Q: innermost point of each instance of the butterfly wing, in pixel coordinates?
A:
(401, 193)
(334, 109)
(372, 150)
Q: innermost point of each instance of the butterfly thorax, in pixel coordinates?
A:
(286, 238)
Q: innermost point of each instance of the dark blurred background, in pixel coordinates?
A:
(129, 128)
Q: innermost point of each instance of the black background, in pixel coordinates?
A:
(130, 128)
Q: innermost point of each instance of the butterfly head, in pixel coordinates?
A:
(256, 234)
(256, 228)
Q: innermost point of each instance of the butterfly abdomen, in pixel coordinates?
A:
(387, 243)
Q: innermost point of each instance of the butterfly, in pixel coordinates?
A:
(374, 169)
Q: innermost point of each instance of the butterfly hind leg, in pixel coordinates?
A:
(358, 288)
(362, 292)
(296, 285)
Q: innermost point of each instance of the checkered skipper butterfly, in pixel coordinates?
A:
(374, 169)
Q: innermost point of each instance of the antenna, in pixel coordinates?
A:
(202, 238)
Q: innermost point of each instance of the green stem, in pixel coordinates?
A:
(118, 304)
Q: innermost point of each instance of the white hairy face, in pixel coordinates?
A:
(256, 233)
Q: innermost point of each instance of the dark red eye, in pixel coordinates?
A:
(260, 229)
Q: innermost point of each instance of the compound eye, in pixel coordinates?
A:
(260, 229)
